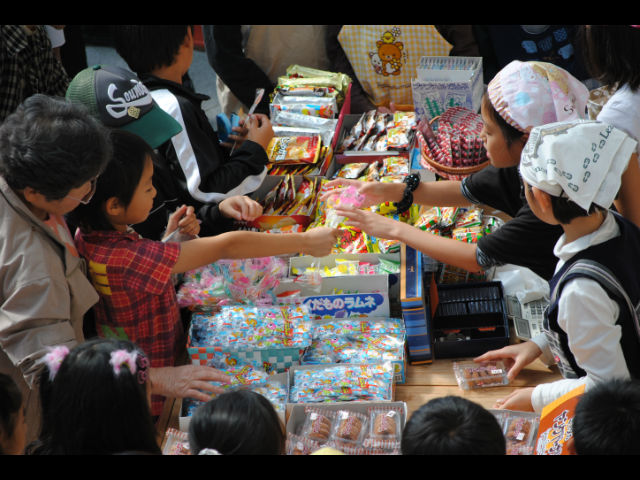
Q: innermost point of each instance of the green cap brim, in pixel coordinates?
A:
(156, 126)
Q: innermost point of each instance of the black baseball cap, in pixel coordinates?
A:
(119, 99)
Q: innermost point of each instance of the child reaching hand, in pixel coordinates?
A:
(521, 96)
(133, 275)
(572, 173)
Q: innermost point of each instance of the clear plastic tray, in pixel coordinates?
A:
(520, 430)
(471, 375)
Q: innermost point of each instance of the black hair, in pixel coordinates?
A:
(611, 53)
(147, 47)
(10, 405)
(509, 132)
(607, 419)
(238, 422)
(566, 210)
(119, 179)
(52, 146)
(452, 425)
(94, 410)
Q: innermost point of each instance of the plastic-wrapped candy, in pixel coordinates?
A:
(253, 327)
(345, 382)
(349, 197)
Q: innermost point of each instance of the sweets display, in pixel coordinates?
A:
(462, 224)
(353, 431)
(520, 430)
(380, 132)
(247, 377)
(338, 383)
(358, 341)
(246, 327)
(304, 107)
(471, 375)
(241, 281)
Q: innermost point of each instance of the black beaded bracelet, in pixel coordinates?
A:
(412, 181)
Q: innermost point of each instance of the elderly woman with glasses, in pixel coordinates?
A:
(50, 155)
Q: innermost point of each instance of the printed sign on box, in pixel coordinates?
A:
(342, 306)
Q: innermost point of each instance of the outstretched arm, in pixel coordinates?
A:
(446, 193)
(446, 250)
(203, 251)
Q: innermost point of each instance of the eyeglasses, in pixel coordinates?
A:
(87, 198)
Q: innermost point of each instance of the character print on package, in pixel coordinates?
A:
(389, 55)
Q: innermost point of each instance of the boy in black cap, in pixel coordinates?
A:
(161, 55)
(120, 100)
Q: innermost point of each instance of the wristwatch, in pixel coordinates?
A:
(412, 182)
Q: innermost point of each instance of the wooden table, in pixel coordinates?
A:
(423, 383)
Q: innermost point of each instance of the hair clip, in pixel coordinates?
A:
(143, 364)
(123, 357)
(54, 359)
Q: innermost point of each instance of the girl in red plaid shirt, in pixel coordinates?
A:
(133, 275)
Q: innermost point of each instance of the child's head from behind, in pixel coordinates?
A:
(239, 422)
(573, 169)
(124, 191)
(607, 419)
(13, 428)
(99, 399)
(452, 425)
(146, 48)
(524, 95)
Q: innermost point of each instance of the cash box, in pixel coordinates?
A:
(470, 319)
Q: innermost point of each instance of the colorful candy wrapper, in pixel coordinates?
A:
(349, 197)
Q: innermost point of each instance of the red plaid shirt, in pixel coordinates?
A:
(137, 295)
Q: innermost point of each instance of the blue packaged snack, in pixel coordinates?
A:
(225, 125)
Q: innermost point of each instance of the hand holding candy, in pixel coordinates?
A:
(373, 193)
(347, 198)
(183, 221)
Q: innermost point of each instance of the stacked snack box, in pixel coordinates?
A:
(445, 82)
(416, 308)
(307, 108)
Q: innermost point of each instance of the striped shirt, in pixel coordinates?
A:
(27, 66)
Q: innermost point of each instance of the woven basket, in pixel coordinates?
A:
(453, 173)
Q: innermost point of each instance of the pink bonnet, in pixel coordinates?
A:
(530, 94)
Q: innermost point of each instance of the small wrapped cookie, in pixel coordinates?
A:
(385, 423)
(317, 425)
(350, 427)
(299, 445)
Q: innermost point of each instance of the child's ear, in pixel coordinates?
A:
(113, 207)
(542, 198)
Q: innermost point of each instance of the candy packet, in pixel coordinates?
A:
(293, 150)
(347, 197)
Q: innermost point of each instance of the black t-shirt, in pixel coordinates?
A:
(524, 240)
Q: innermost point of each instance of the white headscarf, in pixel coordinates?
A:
(584, 160)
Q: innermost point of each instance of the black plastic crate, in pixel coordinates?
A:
(471, 319)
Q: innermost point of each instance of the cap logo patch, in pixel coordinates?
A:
(133, 112)
(127, 103)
